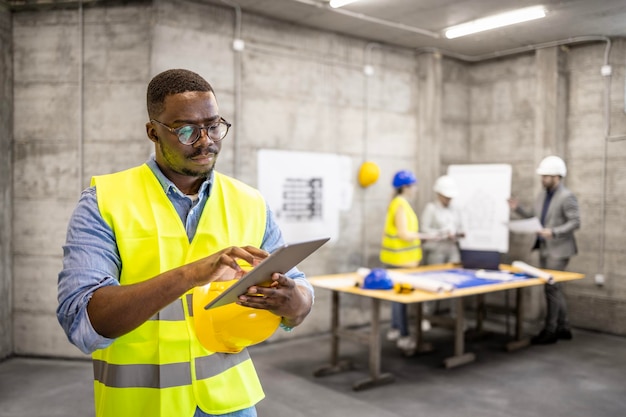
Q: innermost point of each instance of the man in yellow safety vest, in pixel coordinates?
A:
(140, 241)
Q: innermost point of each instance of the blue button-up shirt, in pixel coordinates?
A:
(91, 259)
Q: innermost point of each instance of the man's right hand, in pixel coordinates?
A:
(223, 266)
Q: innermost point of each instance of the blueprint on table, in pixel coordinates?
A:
(461, 278)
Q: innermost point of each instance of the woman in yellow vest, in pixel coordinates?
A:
(401, 248)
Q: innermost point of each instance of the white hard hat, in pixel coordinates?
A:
(552, 165)
(446, 186)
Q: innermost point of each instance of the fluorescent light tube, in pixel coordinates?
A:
(335, 4)
(495, 21)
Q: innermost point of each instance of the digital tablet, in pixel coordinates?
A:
(281, 261)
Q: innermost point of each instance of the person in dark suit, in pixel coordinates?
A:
(557, 209)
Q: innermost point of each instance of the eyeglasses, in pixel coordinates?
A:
(189, 134)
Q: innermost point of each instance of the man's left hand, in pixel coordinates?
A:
(283, 297)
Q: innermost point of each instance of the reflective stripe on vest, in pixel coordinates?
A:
(164, 376)
(172, 312)
(160, 368)
(394, 250)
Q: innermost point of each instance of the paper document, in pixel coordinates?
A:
(431, 236)
(531, 225)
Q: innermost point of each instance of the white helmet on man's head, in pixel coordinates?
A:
(446, 186)
(552, 165)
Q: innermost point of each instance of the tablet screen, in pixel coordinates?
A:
(281, 261)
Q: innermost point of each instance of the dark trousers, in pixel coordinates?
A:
(399, 318)
(399, 313)
(556, 315)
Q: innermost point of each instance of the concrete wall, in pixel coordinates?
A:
(6, 170)
(525, 107)
(595, 307)
(46, 184)
(79, 111)
(298, 89)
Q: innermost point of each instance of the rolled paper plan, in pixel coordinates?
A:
(529, 269)
(421, 283)
(417, 282)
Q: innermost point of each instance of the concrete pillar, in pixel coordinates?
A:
(429, 124)
(6, 170)
(550, 104)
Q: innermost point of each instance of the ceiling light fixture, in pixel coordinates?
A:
(339, 3)
(495, 21)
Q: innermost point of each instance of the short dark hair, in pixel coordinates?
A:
(173, 81)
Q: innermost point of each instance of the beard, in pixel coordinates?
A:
(196, 173)
(178, 163)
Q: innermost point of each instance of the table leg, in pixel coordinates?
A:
(519, 341)
(507, 313)
(335, 365)
(480, 312)
(460, 357)
(376, 378)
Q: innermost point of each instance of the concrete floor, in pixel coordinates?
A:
(583, 377)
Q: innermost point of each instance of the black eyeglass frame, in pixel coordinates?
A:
(197, 128)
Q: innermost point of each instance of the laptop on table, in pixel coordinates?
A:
(480, 259)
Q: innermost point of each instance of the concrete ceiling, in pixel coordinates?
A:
(420, 23)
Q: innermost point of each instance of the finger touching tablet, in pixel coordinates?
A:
(281, 261)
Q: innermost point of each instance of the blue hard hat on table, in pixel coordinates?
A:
(377, 279)
(404, 177)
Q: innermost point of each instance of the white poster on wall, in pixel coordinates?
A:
(306, 191)
(483, 193)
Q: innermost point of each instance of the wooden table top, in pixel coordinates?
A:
(347, 283)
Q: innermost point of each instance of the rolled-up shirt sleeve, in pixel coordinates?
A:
(90, 261)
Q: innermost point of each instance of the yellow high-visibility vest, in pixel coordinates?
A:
(160, 368)
(395, 251)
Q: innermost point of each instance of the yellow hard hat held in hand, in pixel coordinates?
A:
(229, 328)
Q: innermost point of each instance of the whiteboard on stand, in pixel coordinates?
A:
(483, 193)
